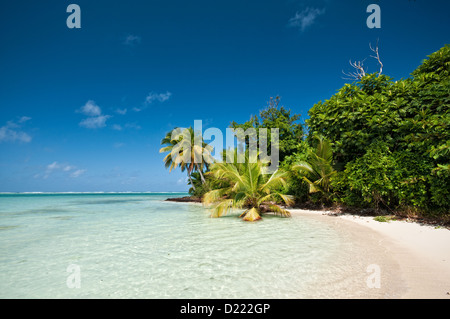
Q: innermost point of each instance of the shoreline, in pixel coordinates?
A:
(185, 199)
(416, 255)
(421, 252)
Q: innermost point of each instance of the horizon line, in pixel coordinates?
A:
(99, 192)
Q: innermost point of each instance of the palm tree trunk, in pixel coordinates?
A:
(190, 179)
(201, 174)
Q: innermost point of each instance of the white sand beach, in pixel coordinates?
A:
(419, 254)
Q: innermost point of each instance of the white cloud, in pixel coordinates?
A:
(132, 40)
(121, 111)
(11, 131)
(151, 98)
(77, 173)
(117, 127)
(95, 117)
(161, 97)
(133, 126)
(24, 119)
(49, 170)
(91, 109)
(56, 167)
(95, 122)
(53, 166)
(306, 18)
(68, 168)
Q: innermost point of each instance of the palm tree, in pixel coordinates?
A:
(247, 187)
(184, 152)
(170, 161)
(318, 170)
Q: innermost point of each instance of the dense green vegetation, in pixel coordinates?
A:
(391, 139)
(277, 116)
(318, 169)
(376, 143)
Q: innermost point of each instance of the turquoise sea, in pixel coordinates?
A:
(137, 245)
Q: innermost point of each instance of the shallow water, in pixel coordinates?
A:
(140, 246)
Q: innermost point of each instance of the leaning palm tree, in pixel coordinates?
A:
(247, 187)
(183, 151)
(170, 144)
(318, 170)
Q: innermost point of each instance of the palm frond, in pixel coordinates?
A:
(239, 200)
(287, 199)
(214, 195)
(318, 170)
(252, 215)
(275, 180)
(222, 208)
(245, 186)
(243, 214)
(279, 211)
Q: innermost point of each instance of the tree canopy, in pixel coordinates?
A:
(407, 121)
(277, 116)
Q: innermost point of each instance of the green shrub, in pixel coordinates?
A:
(296, 185)
(382, 219)
(391, 140)
(373, 176)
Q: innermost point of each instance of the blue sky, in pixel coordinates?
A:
(85, 109)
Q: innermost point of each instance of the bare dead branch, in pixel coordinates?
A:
(359, 65)
(377, 56)
(359, 73)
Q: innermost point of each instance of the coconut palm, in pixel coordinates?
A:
(318, 170)
(184, 152)
(170, 160)
(247, 187)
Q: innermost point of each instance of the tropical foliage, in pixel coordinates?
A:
(183, 151)
(391, 139)
(376, 143)
(247, 186)
(318, 169)
(278, 117)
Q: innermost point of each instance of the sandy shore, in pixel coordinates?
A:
(416, 257)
